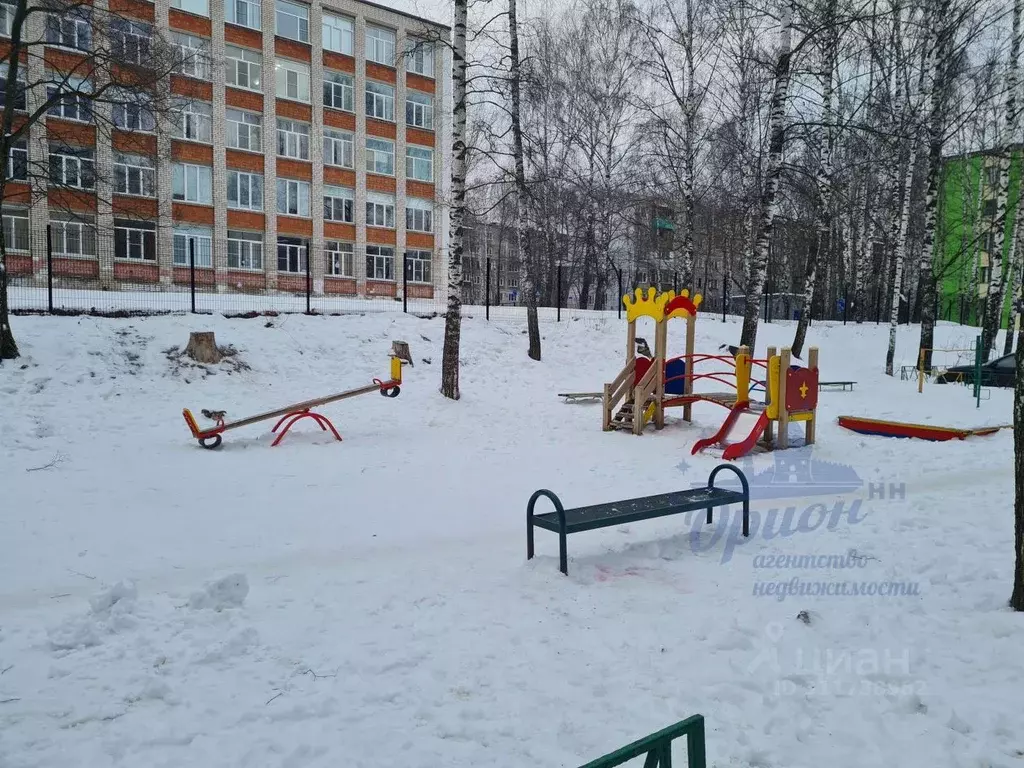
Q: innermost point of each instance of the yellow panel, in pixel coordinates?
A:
(396, 369)
(773, 387)
(805, 416)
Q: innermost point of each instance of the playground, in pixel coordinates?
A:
(370, 602)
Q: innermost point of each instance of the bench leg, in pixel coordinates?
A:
(746, 517)
(708, 520)
(563, 555)
(529, 538)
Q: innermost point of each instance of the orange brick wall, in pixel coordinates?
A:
(243, 36)
(78, 134)
(336, 231)
(188, 152)
(376, 71)
(419, 240)
(339, 62)
(339, 176)
(420, 291)
(235, 97)
(420, 83)
(339, 285)
(72, 200)
(380, 128)
(194, 214)
(290, 282)
(380, 236)
(81, 268)
(135, 272)
(245, 220)
(292, 49)
(244, 161)
(194, 89)
(204, 276)
(380, 183)
(187, 22)
(18, 264)
(294, 110)
(135, 207)
(380, 288)
(295, 227)
(337, 119)
(418, 136)
(16, 192)
(137, 143)
(419, 189)
(242, 281)
(137, 9)
(294, 169)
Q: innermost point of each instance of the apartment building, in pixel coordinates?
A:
(307, 143)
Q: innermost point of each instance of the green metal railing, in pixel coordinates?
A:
(658, 747)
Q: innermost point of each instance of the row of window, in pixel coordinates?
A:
(131, 40)
(136, 240)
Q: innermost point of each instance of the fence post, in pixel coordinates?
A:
(618, 300)
(675, 282)
(49, 271)
(558, 299)
(725, 286)
(192, 271)
(846, 303)
(405, 281)
(309, 283)
(487, 291)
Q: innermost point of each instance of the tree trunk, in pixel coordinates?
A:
(1016, 268)
(757, 257)
(899, 253)
(457, 214)
(1017, 597)
(202, 347)
(8, 346)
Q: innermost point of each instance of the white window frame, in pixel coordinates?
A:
(130, 113)
(77, 167)
(70, 28)
(203, 237)
(84, 235)
(380, 210)
(195, 183)
(286, 11)
(238, 60)
(338, 33)
(244, 190)
(380, 45)
(419, 215)
(77, 93)
(253, 13)
(341, 258)
(418, 167)
(241, 123)
(380, 263)
(17, 160)
(291, 77)
(135, 237)
(292, 139)
(339, 87)
(339, 198)
(296, 251)
(339, 145)
(296, 195)
(21, 102)
(420, 266)
(385, 154)
(138, 174)
(380, 101)
(419, 110)
(16, 230)
(197, 7)
(8, 8)
(248, 251)
(131, 41)
(195, 56)
(419, 57)
(193, 122)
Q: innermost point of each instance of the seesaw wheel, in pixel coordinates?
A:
(209, 443)
(391, 391)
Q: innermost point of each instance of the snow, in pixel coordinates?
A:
(368, 602)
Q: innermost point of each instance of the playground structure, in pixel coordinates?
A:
(645, 387)
(975, 353)
(884, 428)
(290, 414)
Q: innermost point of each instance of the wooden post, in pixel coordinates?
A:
(920, 372)
(785, 357)
(688, 387)
(660, 355)
(743, 375)
(631, 341)
(606, 415)
(769, 431)
(812, 363)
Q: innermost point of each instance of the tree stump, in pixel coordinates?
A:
(202, 347)
(400, 349)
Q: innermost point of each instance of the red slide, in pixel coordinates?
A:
(742, 422)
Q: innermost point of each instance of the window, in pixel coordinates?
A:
(340, 258)
(18, 102)
(244, 13)
(7, 11)
(419, 215)
(419, 110)
(72, 237)
(418, 266)
(72, 167)
(193, 242)
(380, 101)
(380, 45)
(292, 80)
(134, 175)
(419, 57)
(130, 41)
(291, 255)
(132, 111)
(339, 91)
(70, 27)
(245, 190)
(244, 129)
(983, 275)
(71, 99)
(17, 161)
(293, 197)
(194, 120)
(338, 148)
(242, 68)
(988, 208)
(192, 183)
(198, 7)
(419, 163)
(292, 139)
(194, 53)
(245, 250)
(338, 204)
(338, 34)
(380, 262)
(380, 210)
(292, 20)
(992, 175)
(988, 242)
(134, 240)
(380, 156)
(16, 230)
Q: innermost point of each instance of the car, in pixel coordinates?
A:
(1000, 372)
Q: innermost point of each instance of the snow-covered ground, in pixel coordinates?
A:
(368, 603)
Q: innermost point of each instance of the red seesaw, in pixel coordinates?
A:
(288, 416)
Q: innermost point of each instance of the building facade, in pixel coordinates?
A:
(307, 145)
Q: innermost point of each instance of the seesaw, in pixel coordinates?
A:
(883, 428)
(290, 414)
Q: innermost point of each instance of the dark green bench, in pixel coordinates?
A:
(565, 521)
(843, 384)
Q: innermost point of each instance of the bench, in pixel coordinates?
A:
(843, 384)
(565, 521)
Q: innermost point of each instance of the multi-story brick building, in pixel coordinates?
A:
(287, 104)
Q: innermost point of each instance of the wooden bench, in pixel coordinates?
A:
(843, 384)
(565, 521)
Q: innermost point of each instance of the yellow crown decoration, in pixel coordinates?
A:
(651, 305)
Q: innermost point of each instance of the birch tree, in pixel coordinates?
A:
(1017, 596)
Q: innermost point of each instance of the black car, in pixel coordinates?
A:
(1000, 372)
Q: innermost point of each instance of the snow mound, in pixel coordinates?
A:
(110, 612)
(227, 592)
(123, 592)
